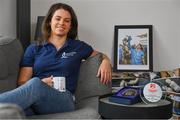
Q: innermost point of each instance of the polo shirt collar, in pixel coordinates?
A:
(67, 43)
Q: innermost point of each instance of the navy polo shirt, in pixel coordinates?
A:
(46, 60)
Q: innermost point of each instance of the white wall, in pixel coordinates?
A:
(178, 55)
(98, 17)
(8, 18)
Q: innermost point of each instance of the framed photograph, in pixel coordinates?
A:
(133, 48)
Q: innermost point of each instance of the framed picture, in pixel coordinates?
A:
(133, 48)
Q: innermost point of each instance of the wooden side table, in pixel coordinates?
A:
(110, 110)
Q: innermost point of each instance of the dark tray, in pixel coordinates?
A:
(110, 110)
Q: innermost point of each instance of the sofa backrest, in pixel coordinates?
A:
(88, 84)
(10, 55)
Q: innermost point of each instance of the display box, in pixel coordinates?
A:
(126, 95)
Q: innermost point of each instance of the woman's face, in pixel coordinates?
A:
(60, 23)
(138, 47)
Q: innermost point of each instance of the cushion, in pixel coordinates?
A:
(3, 65)
(88, 84)
(5, 40)
(80, 114)
(10, 56)
(13, 52)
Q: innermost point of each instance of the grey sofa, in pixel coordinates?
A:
(88, 90)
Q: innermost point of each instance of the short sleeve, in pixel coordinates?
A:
(28, 58)
(86, 50)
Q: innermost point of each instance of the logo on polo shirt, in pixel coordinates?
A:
(67, 55)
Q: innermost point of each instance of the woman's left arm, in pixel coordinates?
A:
(104, 71)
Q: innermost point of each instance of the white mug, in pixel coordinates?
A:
(59, 83)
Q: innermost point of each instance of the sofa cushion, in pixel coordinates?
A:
(3, 65)
(10, 55)
(5, 40)
(13, 51)
(88, 84)
(84, 113)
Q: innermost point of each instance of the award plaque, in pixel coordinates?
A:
(152, 92)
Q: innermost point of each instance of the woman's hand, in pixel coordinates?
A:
(48, 80)
(104, 71)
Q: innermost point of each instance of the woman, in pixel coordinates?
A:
(58, 54)
(137, 55)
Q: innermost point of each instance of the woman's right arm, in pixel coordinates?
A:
(24, 75)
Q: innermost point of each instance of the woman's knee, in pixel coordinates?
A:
(35, 87)
(35, 82)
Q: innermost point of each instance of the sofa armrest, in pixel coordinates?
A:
(11, 111)
(88, 84)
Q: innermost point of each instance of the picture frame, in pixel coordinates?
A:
(133, 48)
